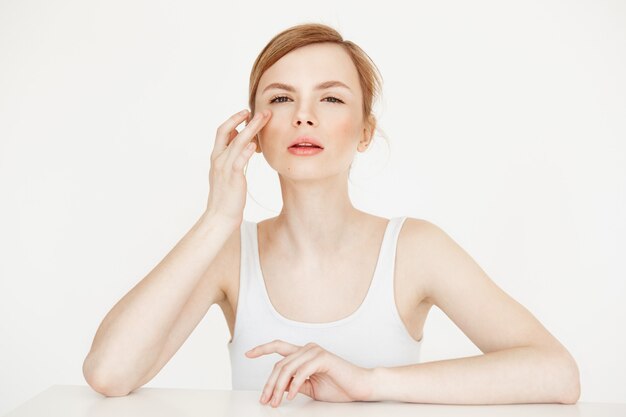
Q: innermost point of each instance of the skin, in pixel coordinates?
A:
(317, 213)
(521, 362)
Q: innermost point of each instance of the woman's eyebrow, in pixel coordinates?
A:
(321, 86)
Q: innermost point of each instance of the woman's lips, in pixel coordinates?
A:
(306, 139)
(304, 150)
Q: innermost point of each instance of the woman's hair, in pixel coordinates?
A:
(310, 33)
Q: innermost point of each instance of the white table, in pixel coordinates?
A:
(75, 401)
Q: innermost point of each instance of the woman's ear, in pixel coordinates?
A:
(368, 130)
(255, 139)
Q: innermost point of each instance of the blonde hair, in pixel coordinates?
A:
(310, 33)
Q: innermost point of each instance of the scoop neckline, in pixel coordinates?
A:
(341, 321)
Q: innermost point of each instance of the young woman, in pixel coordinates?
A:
(324, 299)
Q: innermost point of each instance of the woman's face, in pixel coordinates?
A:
(332, 113)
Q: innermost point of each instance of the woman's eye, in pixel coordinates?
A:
(278, 99)
(275, 99)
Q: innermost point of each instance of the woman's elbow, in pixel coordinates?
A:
(572, 383)
(103, 384)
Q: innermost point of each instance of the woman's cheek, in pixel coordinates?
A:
(348, 130)
(265, 133)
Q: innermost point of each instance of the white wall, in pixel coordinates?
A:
(506, 123)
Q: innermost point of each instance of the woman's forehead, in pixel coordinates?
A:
(313, 66)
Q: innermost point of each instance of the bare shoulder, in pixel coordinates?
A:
(441, 262)
(414, 235)
(419, 243)
(417, 235)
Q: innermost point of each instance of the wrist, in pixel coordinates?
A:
(214, 220)
(373, 383)
(209, 221)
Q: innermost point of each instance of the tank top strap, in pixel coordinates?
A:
(382, 296)
(247, 264)
(248, 300)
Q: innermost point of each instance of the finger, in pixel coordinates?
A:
(233, 133)
(300, 382)
(288, 368)
(267, 394)
(245, 136)
(244, 156)
(305, 387)
(276, 346)
(224, 131)
(268, 389)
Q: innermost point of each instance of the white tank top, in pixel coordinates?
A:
(372, 336)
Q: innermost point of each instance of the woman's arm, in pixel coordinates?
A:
(133, 336)
(522, 361)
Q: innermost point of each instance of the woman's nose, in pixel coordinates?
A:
(303, 116)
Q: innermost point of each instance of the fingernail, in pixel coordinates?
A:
(243, 112)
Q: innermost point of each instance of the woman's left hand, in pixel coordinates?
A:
(331, 378)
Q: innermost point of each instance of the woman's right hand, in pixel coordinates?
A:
(231, 152)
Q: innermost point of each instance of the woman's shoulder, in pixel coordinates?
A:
(431, 249)
(423, 247)
(420, 239)
(412, 228)
(420, 228)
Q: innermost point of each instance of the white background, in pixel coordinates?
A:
(506, 124)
